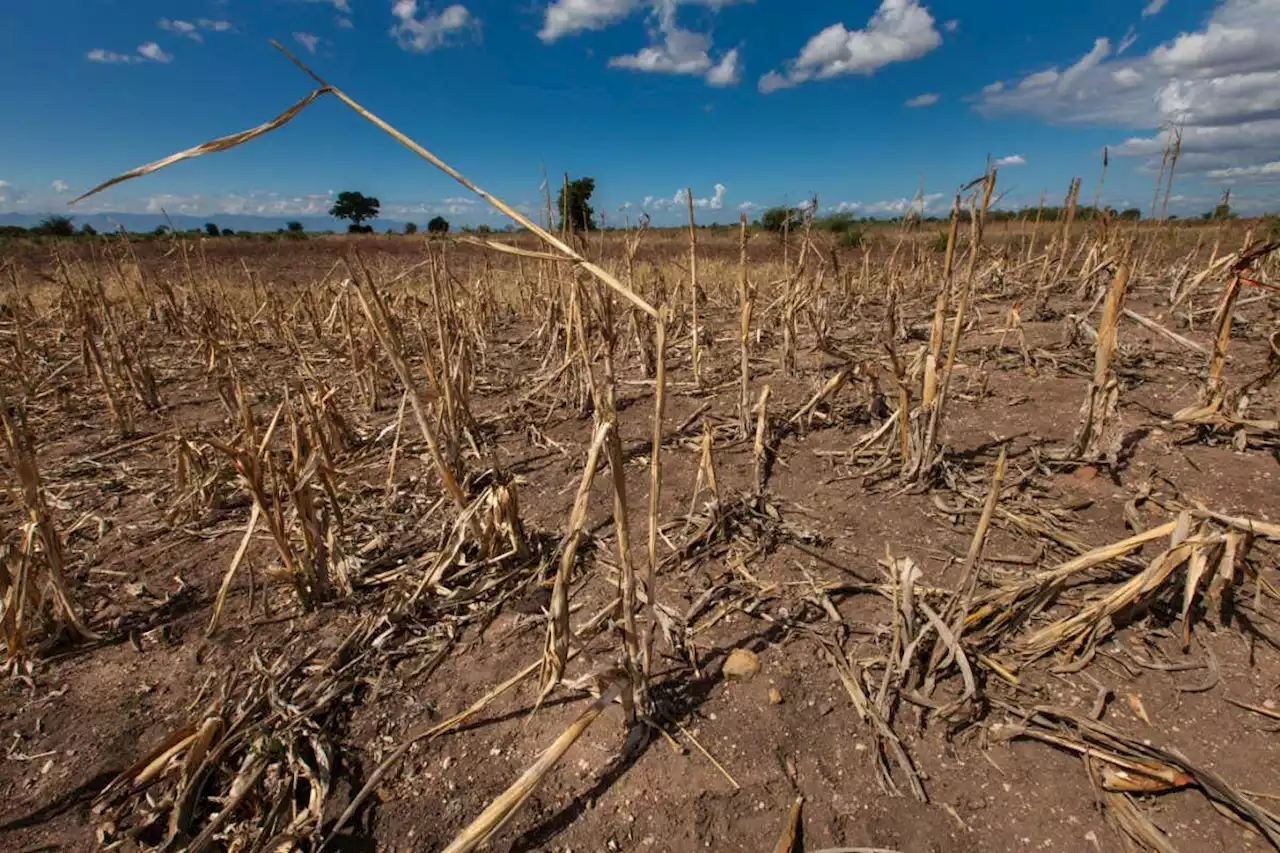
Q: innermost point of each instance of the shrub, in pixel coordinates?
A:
(410, 228)
(777, 219)
(851, 238)
(55, 226)
(438, 225)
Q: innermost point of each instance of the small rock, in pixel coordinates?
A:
(741, 665)
(775, 698)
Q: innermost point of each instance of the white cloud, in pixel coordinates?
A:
(772, 82)
(343, 6)
(675, 50)
(1220, 82)
(215, 26)
(899, 31)
(900, 206)
(151, 50)
(433, 29)
(59, 187)
(1155, 7)
(1127, 78)
(566, 17)
(345, 23)
(716, 202)
(846, 207)
(181, 28)
(747, 207)
(110, 56)
(1101, 50)
(1130, 36)
(1012, 160)
(726, 72)
(951, 26)
(926, 100)
(309, 41)
(569, 17)
(1267, 170)
(993, 88)
(680, 201)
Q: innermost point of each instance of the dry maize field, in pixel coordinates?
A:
(644, 540)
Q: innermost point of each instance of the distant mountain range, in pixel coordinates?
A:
(145, 222)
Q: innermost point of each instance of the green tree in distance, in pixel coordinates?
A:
(438, 225)
(410, 228)
(55, 226)
(211, 229)
(777, 218)
(574, 203)
(356, 207)
(294, 227)
(1219, 213)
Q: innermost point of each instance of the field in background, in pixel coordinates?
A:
(970, 544)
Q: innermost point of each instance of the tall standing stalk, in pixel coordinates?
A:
(1069, 218)
(1164, 163)
(746, 307)
(1097, 194)
(693, 287)
(1035, 229)
(655, 483)
(922, 466)
(1173, 166)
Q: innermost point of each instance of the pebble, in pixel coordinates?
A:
(741, 665)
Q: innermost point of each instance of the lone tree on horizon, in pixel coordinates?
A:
(356, 207)
(439, 225)
(575, 204)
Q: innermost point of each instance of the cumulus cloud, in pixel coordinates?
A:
(180, 28)
(309, 41)
(431, 30)
(566, 17)
(1012, 160)
(152, 51)
(926, 100)
(1155, 7)
(61, 187)
(680, 200)
(675, 50)
(901, 206)
(899, 31)
(215, 26)
(1220, 82)
(569, 17)
(726, 72)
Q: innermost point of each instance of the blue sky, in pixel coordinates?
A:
(749, 102)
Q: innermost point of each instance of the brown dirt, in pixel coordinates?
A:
(83, 714)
